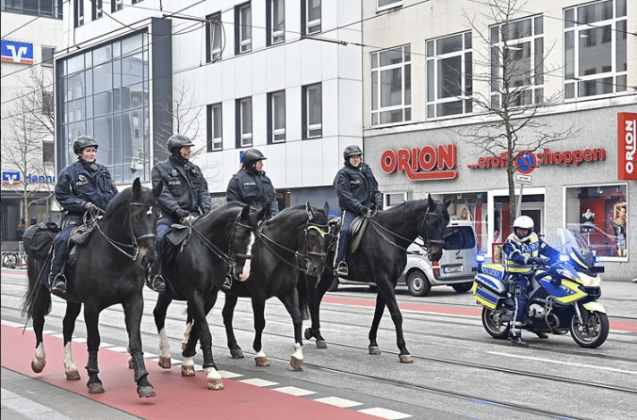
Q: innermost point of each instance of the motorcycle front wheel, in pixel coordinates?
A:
(494, 324)
(592, 334)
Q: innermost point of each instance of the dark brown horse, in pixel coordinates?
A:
(381, 258)
(109, 269)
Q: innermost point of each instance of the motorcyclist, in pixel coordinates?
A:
(184, 198)
(83, 186)
(522, 250)
(357, 192)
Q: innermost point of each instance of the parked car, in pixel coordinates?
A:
(454, 268)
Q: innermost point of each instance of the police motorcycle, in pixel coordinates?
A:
(562, 295)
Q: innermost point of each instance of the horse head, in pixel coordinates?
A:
(316, 236)
(243, 236)
(432, 227)
(143, 217)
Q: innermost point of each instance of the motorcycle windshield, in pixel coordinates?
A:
(573, 245)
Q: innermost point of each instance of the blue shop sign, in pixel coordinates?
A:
(17, 52)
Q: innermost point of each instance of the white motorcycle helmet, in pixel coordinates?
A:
(523, 228)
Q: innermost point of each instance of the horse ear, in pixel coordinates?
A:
(158, 188)
(137, 187)
(262, 214)
(430, 202)
(448, 202)
(245, 212)
(309, 211)
(326, 209)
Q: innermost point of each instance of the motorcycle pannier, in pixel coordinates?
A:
(38, 238)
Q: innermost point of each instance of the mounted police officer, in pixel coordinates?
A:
(357, 192)
(184, 198)
(83, 186)
(523, 249)
(251, 186)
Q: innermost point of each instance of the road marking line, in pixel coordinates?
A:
(12, 324)
(384, 413)
(339, 402)
(27, 408)
(258, 382)
(537, 359)
(229, 375)
(119, 349)
(292, 390)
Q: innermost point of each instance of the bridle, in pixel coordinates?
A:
(426, 242)
(118, 245)
(302, 258)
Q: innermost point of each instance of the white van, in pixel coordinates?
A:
(454, 268)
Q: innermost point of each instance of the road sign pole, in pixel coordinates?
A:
(518, 211)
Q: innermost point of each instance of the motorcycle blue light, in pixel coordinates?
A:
(564, 258)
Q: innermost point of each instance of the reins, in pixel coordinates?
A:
(426, 243)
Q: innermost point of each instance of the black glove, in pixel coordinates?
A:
(90, 206)
(182, 214)
(555, 281)
(206, 211)
(379, 206)
(364, 210)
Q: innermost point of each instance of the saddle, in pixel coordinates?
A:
(356, 233)
(77, 239)
(177, 237)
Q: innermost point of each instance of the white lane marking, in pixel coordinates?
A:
(29, 409)
(12, 324)
(119, 349)
(229, 375)
(292, 390)
(384, 413)
(537, 359)
(339, 402)
(258, 382)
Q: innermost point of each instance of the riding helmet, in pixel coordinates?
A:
(82, 143)
(176, 142)
(523, 222)
(352, 151)
(251, 156)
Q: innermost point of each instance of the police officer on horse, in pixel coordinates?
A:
(184, 198)
(83, 186)
(357, 192)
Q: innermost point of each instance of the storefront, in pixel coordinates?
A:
(575, 183)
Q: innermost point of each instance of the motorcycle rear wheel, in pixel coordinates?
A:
(594, 333)
(494, 325)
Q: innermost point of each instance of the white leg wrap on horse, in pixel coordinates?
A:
(39, 352)
(215, 382)
(298, 351)
(261, 354)
(164, 345)
(212, 373)
(68, 357)
(189, 361)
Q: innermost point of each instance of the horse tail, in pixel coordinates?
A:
(301, 287)
(34, 272)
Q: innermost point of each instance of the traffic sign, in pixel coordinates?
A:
(525, 162)
(523, 179)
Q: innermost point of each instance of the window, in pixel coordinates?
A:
(244, 122)
(47, 56)
(276, 117)
(47, 103)
(313, 111)
(215, 128)
(48, 152)
(96, 9)
(213, 37)
(311, 10)
(449, 77)
(599, 213)
(388, 4)
(46, 8)
(595, 43)
(78, 13)
(243, 28)
(517, 50)
(391, 85)
(276, 21)
(116, 5)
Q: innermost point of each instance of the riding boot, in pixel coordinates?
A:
(154, 280)
(517, 341)
(541, 334)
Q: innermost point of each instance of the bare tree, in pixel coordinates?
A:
(514, 68)
(31, 123)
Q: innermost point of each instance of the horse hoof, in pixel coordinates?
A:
(164, 362)
(405, 358)
(187, 370)
(321, 344)
(215, 384)
(131, 364)
(262, 361)
(95, 388)
(374, 350)
(37, 365)
(308, 334)
(297, 364)
(146, 391)
(72, 375)
(236, 353)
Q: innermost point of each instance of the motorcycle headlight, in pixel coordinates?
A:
(591, 281)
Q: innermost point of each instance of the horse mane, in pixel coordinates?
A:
(409, 207)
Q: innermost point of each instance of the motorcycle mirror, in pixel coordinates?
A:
(480, 258)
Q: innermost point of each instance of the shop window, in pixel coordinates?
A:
(599, 213)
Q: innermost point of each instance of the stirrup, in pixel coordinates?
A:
(158, 284)
(59, 284)
(227, 283)
(341, 269)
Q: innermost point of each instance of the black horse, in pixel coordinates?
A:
(381, 258)
(219, 245)
(292, 242)
(109, 269)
